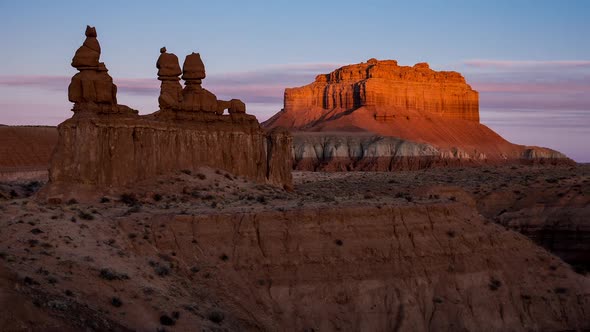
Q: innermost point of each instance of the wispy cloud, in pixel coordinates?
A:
(46, 82)
(511, 84)
(265, 85)
(512, 64)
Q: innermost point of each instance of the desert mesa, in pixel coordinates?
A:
(380, 116)
(198, 217)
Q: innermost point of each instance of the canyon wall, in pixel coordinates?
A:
(390, 268)
(107, 152)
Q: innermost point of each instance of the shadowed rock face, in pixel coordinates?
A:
(346, 151)
(105, 145)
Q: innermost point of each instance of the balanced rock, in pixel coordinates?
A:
(170, 88)
(106, 146)
(236, 106)
(89, 53)
(168, 67)
(194, 97)
(193, 68)
(179, 103)
(92, 89)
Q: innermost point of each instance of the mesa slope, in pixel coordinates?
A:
(415, 104)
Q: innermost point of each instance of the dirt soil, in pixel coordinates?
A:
(205, 250)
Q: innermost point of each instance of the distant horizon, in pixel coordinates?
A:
(526, 59)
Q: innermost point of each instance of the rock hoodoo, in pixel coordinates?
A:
(92, 88)
(168, 72)
(106, 146)
(413, 104)
(175, 101)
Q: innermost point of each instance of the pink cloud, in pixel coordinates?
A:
(265, 85)
(485, 63)
(531, 87)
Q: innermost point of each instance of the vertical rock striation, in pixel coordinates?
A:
(387, 88)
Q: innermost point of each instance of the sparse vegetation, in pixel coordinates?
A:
(85, 215)
(216, 317)
(160, 269)
(108, 274)
(129, 199)
(494, 284)
(116, 302)
(167, 320)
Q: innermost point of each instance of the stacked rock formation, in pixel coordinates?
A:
(168, 73)
(193, 98)
(92, 89)
(100, 151)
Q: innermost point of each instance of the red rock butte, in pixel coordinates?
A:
(387, 88)
(106, 146)
(437, 111)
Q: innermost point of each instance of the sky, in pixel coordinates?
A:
(530, 60)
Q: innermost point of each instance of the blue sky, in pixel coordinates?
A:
(530, 60)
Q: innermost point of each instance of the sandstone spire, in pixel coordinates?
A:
(195, 98)
(92, 87)
(168, 72)
(89, 53)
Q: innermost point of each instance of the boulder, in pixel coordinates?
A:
(193, 68)
(168, 67)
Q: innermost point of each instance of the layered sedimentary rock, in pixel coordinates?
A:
(105, 145)
(555, 217)
(419, 268)
(387, 89)
(350, 151)
(413, 104)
